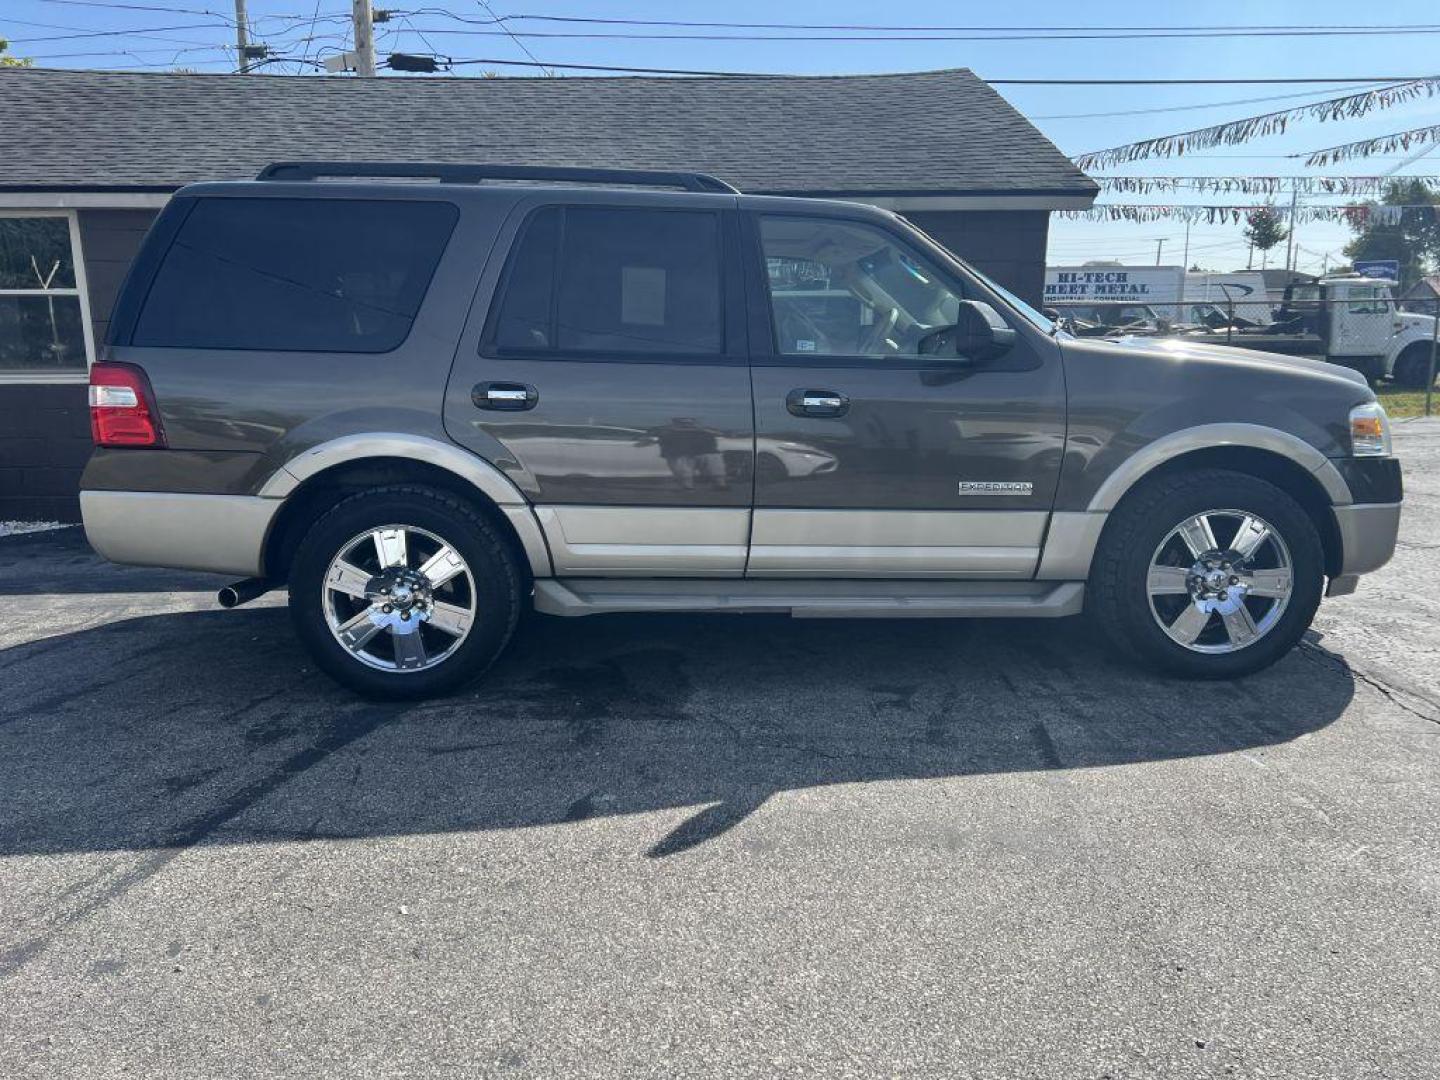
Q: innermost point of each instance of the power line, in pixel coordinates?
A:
(508, 33)
(727, 24)
(1203, 82)
(592, 35)
(140, 7)
(717, 73)
(113, 33)
(138, 34)
(1188, 108)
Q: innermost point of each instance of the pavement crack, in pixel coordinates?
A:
(1390, 693)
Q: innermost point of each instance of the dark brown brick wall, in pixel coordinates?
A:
(1009, 245)
(110, 239)
(44, 444)
(45, 437)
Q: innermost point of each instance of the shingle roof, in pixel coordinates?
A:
(929, 133)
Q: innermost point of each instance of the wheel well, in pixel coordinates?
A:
(304, 506)
(1295, 480)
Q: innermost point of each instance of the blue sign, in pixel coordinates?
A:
(1389, 269)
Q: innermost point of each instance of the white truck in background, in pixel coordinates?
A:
(1345, 319)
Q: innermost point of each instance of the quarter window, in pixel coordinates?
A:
(841, 288)
(603, 281)
(296, 275)
(42, 325)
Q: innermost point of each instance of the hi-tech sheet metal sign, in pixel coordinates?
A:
(1137, 284)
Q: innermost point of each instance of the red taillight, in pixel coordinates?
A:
(122, 408)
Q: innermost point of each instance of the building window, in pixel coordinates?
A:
(44, 331)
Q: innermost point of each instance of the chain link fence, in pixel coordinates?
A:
(1395, 345)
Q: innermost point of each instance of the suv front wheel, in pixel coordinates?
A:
(404, 592)
(1209, 574)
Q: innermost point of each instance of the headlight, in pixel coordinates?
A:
(1369, 431)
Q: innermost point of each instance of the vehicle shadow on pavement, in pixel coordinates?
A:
(166, 731)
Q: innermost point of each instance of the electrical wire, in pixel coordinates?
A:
(1192, 108)
(848, 31)
(508, 33)
(111, 33)
(588, 35)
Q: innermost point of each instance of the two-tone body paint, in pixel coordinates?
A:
(882, 497)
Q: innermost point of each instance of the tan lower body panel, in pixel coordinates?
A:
(896, 543)
(638, 541)
(1070, 545)
(221, 533)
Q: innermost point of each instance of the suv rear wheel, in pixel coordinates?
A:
(1209, 574)
(404, 592)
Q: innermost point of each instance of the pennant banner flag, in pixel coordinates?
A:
(1401, 140)
(1357, 215)
(1261, 185)
(1232, 132)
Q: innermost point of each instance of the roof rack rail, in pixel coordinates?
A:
(474, 174)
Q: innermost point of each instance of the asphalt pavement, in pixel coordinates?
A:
(715, 847)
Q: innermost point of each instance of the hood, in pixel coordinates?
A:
(1172, 348)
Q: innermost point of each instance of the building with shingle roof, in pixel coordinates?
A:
(90, 157)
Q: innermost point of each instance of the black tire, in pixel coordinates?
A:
(1412, 367)
(496, 576)
(1117, 597)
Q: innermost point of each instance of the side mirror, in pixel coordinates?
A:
(979, 335)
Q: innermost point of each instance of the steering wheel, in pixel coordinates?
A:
(875, 341)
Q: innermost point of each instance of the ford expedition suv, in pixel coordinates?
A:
(425, 405)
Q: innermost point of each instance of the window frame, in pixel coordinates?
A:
(81, 289)
(733, 340)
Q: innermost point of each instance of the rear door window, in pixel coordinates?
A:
(295, 275)
(606, 281)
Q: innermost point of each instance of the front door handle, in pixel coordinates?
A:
(504, 396)
(821, 403)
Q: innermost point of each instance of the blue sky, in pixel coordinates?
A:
(160, 40)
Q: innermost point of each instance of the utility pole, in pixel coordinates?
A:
(1159, 243)
(1290, 239)
(1186, 259)
(242, 38)
(363, 18)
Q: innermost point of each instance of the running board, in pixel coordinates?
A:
(813, 599)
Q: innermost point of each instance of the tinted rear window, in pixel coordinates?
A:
(604, 281)
(295, 275)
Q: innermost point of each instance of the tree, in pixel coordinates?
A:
(11, 61)
(1264, 229)
(1413, 242)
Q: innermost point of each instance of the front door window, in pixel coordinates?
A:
(842, 288)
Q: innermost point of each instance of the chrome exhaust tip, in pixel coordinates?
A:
(242, 592)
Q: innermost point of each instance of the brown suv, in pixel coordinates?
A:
(423, 404)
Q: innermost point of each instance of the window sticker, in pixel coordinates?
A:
(642, 295)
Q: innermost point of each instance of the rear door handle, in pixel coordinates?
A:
(820, 403)
(504, 396)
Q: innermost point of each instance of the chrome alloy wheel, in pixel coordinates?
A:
(1220, 581)
(399, 598)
